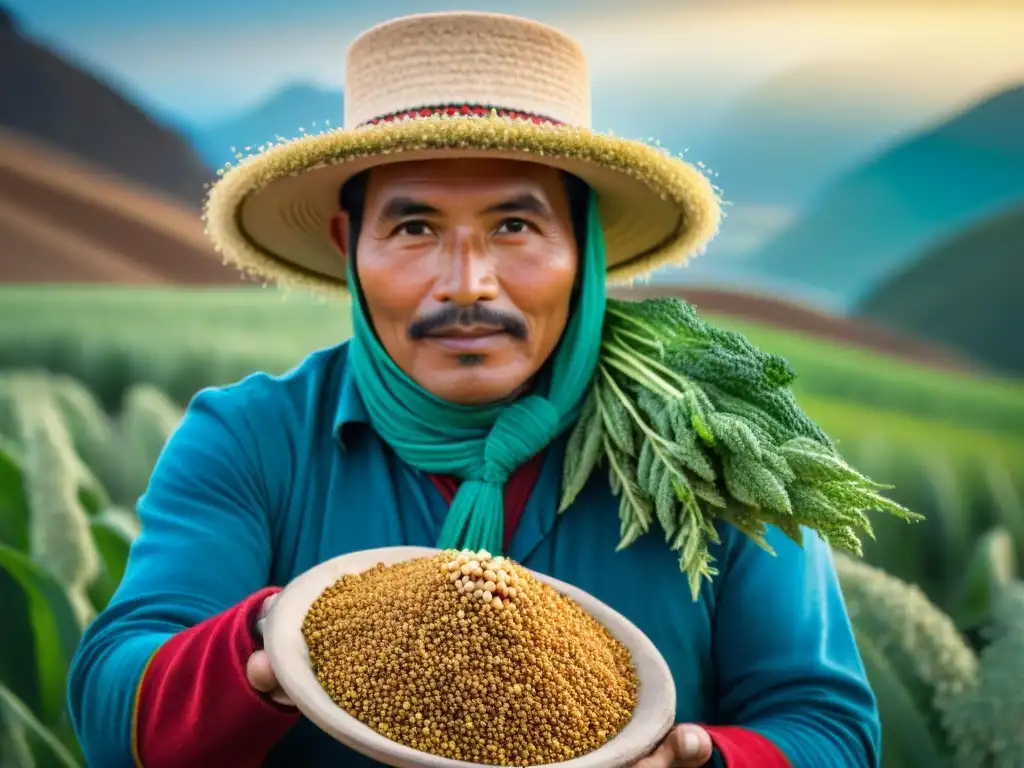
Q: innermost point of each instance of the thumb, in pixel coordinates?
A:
(686, 746)
(691, 745)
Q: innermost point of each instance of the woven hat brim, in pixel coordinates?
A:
(269, 215)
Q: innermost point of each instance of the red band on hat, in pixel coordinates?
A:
(456, 110)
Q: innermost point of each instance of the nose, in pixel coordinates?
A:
(465, 270)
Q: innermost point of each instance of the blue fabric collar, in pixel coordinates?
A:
(350, 409)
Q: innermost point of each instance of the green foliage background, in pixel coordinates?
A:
(93, 381)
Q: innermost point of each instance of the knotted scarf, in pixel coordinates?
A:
(483, 445)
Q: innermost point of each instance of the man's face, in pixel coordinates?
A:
(467, 268)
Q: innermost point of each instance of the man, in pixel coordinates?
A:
(474, 220)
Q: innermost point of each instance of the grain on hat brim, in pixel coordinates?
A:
(268, 215)
(289, 655)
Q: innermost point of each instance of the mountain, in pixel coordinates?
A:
(64, 221)
(966, 293)
(52, 100)
(283, 114)
(873, 220)
(782, 141)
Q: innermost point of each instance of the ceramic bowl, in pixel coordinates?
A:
(283, 640)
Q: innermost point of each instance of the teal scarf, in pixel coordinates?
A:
(482, 445)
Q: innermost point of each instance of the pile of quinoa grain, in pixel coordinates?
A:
(468, 656)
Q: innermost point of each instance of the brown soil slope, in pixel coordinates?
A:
(50, 97)
(62, 221)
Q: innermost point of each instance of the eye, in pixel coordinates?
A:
(414, 228)
(513, 227)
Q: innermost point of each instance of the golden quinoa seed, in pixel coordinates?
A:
(510, 672)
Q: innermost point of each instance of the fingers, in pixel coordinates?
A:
(261, 622)
(267, 603)
(278, 696)
(258, 669)
(259, 672)
(261, 677)
(686, 746)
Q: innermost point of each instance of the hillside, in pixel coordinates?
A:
(871, 221)
(62, 221)
(771, 312)
(967, 294)
(52, 100)
(283, 114)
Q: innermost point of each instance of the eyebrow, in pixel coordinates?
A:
(525, 203)
(404, 207)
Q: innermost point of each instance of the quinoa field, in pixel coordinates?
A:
(93, 381)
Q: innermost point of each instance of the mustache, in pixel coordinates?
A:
(451, 316)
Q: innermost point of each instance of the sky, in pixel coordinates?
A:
(203, 60)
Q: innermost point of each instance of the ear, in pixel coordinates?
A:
(340, 232)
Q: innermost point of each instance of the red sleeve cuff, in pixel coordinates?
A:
(743, 748)
(195, 705)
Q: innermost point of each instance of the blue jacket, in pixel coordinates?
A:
(268, 477)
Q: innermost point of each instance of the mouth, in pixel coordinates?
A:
(463, 339)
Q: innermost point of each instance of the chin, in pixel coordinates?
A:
(474, 383)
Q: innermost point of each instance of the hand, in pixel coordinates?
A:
(258, 670)
(686, 746)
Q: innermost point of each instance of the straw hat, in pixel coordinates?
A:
(457, 85)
